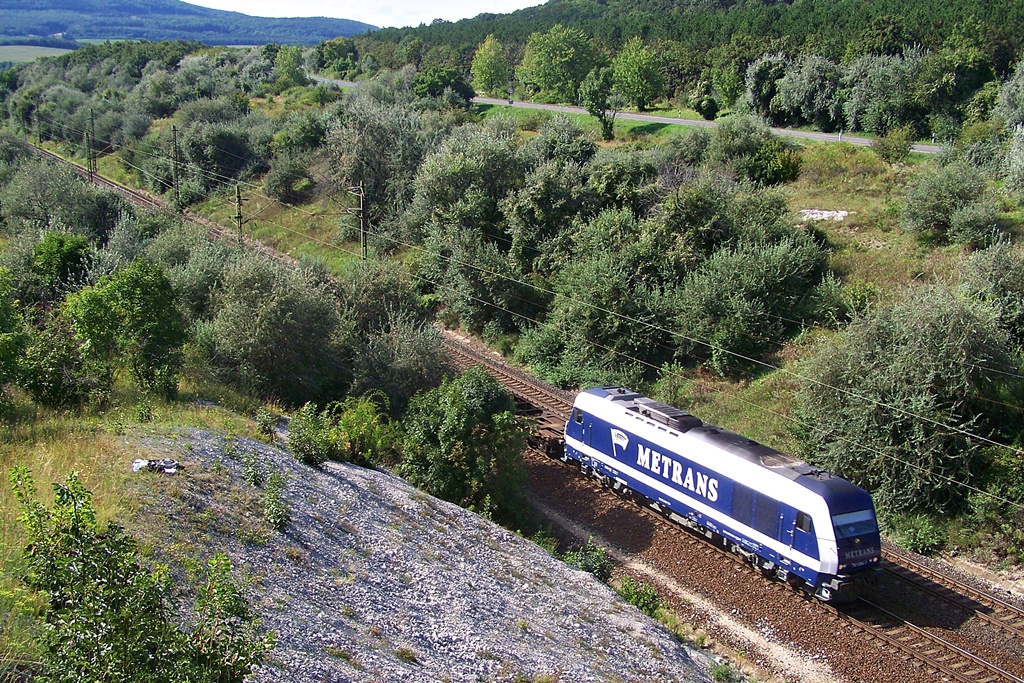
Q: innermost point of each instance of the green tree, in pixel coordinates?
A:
(1011, 98)
(12, 339)
(133, 315)
(556, 62)
(434, 81)
(637, 73)
(490, 68)
(951, 203)
(288, 67)
(60, 260)
(464, 444)
(599, 99)
(108, 618)
(276, 331)
(58, 369)
(893, 402)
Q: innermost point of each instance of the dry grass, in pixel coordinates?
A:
(89, 441)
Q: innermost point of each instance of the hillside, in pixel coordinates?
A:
(822, 26)
(374, 580)
(163, 20)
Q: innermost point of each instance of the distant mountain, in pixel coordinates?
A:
(162, 20)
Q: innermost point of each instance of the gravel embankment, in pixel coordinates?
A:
(373, 580)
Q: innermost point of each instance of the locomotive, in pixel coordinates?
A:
(795, 522)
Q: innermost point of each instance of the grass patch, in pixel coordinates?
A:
(27, 53)
(89, 440)
(625, 129)
(304, 231)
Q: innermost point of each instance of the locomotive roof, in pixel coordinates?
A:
(840, 494)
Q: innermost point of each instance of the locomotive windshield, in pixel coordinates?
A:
(853, 524)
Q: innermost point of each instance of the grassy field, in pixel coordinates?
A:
(26, 53)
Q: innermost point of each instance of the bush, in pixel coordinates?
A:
(951, 203)
(996, 276)
(919, 533)
(1013, 163)
(288, 180)
(309, 436)
(893, 401)
(132, 317)
(463, 443)
(276, 331)
(252, 470)
(56, 372)
(591, 558)
(640, 595)
(276, 511)
(108, 618)
(894, 146)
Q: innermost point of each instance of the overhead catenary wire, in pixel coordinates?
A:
(707, 344)
(752, 404)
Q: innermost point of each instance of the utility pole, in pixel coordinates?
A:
(174, 165)
(89, 147)
(238, 213)
(358, 192)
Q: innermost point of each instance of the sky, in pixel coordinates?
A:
(380, 13)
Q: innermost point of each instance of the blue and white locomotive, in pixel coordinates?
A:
(795, 522)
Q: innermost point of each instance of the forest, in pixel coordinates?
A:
(889, 349)
(158, 20)
(931, 67)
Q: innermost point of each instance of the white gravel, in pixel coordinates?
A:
(822, 215)
(373, 580)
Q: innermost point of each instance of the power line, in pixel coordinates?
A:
(713, 347)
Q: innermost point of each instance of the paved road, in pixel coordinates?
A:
(651, 118)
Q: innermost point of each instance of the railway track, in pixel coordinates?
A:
(933, 657)
(155, 203)
(989, 608)
(549, 408)
(939, 657)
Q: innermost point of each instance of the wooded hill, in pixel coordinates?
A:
(831, 28)
(163, 20)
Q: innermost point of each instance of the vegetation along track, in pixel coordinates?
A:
(148, 201)
(549, 408)
(931, 656)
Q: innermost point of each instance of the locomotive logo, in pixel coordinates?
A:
(620, 439)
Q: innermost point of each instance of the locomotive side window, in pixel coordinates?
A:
(766, 516)
(742, 504)
(803, 522)
(577, 416)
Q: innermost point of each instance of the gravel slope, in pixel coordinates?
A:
(373, 580)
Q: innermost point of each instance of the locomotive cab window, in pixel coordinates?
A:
(803, 522)
(577, 416)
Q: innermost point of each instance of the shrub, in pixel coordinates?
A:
(920, 533)
(463, 443)
(591, 558)
(996, 275)
(893, 401)
(894, 146)
(276, 511)
(309, 436)
(132, 317)
(109, 618)
(640, 595)
(276, 331)
(288, 180)
(1013, 162)
(56, 372)
(951, 203)
(252, 470)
